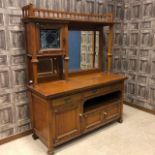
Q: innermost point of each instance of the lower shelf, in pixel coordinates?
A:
(101, 101)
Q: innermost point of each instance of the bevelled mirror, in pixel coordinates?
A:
(50, 68)
(83, 50)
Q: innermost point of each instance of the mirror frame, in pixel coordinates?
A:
(100, 53)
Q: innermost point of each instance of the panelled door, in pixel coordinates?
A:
(67, 120)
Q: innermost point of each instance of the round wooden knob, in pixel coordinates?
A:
(80, 115)
(105, 113)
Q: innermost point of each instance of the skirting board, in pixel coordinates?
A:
(140, 108)
(8, 139)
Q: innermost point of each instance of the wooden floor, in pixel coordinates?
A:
(135, 136)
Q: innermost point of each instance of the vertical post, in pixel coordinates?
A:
(120, 120)
(66, 58)
(51, 128)
(109, 54)
(35, 70)
(33, 49)
(94, 46)
(100, 55)
(31, 12)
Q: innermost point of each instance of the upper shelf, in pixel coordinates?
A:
(33, 13)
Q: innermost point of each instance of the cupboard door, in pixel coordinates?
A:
(112, 111)
(92, 119)
(67, 122)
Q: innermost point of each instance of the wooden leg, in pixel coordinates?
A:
(34, 136)
(50, 148)
(120, 120)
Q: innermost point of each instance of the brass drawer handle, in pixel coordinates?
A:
(94, 91)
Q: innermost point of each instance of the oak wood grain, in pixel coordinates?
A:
(76, 83)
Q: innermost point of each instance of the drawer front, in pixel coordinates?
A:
(93, 92)
(96, 118)
(102, 90)
(111, 111)
(92, 119)
(67, 101)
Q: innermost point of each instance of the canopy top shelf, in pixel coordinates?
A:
(29, 12)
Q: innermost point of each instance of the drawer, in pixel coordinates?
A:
(111, 110)
(99, 116)
(93, 92)
(92, 119)
(102, 90)
(67, 100)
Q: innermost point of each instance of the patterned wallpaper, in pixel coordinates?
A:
(87, 51)
(13, 96)
(134, 52)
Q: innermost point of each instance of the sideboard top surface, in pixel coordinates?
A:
(75, 84)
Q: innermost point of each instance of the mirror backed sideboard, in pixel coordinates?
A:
(64, 103)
